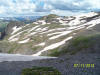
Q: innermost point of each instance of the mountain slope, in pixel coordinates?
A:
(49, 32)
(3, 25)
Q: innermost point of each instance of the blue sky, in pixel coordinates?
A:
(44, 7)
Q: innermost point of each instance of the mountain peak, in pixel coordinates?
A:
(50, 16)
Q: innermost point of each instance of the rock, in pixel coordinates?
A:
(9, 27)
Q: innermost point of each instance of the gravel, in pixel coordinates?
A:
(64, 64)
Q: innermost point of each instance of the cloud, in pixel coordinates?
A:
(73, 7)
(74, 4)
(2, 9)
(9, 7)
(43, 7)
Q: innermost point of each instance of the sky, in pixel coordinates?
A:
(44, 7)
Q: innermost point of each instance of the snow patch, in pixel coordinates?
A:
(16, 35)
(54, 33)
(79, 17)
(33, 28)
(93, 23)
(41, 44)
(15, 29)
(53, 46)
(42, 22)
(33, 33)
(38, 29)
(53, 30)
(14, 39)
(63, 33)
(44, 29)
(24, 41)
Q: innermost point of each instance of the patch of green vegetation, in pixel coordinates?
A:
(81, 43)
(76, 45)
(54, 52)
(40, 71)
(38, 38)
(54, 25)
(57, 52)
(80, 40)
(36, 48)
(52, 16)
(49, 17)
(5, 46)
(14, 46)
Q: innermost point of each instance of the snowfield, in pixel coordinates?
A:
(41, 44)
(24, 41)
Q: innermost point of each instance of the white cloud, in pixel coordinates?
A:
(2, 9)
(48, 7)
(66, 13)
(76, 4)
(41, 7)
(20, 7)
(93, 4)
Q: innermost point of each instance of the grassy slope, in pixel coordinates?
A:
(87, 44)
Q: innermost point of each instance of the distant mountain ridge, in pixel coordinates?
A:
(4, 21)
(47, 33)
(11, 24)
(25, 19)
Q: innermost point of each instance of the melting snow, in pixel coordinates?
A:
(33, 28)
(35, 23)
(38, 29)
(16, 35)
(33, 33)
(54, 33)
(93, 22)
(24, 41)
(77, 20)
(15, 39)
(53, 46)
(44, 29)
(15, 29)
(41, 44)
(63, 33)
(53, 30)
(42, 21)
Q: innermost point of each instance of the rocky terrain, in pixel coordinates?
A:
(25, 19)
(64, 64)
(3, 24)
